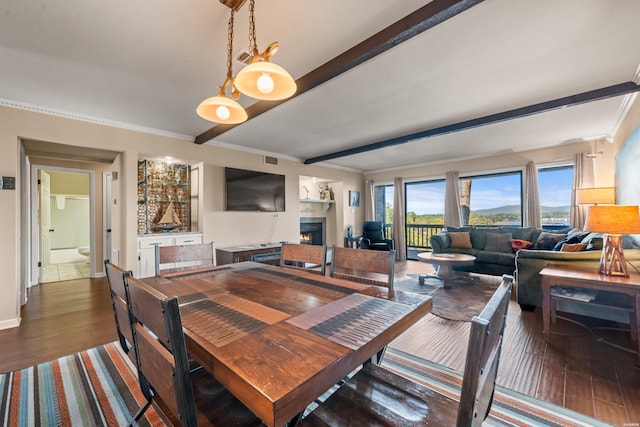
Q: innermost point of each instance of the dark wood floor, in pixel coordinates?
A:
(575, 370)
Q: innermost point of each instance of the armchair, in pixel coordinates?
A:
(373, 237)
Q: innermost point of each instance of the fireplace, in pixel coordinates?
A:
(312, 231)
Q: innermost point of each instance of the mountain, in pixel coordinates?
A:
(515, 209)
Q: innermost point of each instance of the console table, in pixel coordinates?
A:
(589, 279)
(266, 254)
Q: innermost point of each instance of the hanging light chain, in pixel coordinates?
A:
(235, 94)
(230, 44)
(253, 43)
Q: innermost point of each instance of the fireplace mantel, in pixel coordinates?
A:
(327, 203)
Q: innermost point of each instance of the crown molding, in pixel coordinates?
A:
(94, 120)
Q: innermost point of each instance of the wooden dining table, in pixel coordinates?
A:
(279, 338)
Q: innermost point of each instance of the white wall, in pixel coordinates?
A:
(71, 225)
(225, 228)
(604, 164)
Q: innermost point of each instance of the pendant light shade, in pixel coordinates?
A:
(266, 81)
(262, 79)
(221, 109)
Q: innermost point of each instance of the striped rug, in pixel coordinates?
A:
(509, 408)
(97, 387)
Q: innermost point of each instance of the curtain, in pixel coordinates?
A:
(368, 201)
(532, 213)
(452, 200)
(399, 235)
(583, 177)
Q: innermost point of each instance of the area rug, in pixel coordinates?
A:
(460, 302)
(509, 407)
(97, 387)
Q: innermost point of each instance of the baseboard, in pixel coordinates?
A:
(10, 323)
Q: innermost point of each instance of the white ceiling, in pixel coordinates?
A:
(147, 64)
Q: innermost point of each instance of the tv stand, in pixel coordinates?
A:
(267, 253)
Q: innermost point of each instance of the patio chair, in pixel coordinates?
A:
(377, 396)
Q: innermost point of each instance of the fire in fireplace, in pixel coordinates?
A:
(312, 231)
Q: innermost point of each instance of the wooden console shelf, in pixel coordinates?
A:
(585, 284)
(267, 254)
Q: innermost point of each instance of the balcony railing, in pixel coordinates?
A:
(418, 235)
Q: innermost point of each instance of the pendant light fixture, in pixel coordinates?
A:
(262, 79)
(221, 109)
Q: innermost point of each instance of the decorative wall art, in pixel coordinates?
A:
(354, 198)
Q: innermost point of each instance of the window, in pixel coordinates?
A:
(494, 199)
(383, 203)
(425, 202)
(554, 186)
(425, 214)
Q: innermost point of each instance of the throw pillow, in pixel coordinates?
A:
(569, 239)
(479, 236)
(595, 244)
(573, 247)
(519, 233)
(498, 242)
(460, 240)
(546, 241)
(517, 244)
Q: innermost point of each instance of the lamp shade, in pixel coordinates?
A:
(283, 84)
(613, 219)
(596, 196)
(221, 109)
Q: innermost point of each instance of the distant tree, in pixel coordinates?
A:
(465, 200)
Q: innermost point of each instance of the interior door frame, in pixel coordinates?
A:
(107, 243)
(34, 278)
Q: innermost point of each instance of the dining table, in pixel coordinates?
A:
(279, 338)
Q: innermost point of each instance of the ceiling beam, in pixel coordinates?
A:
(410, 26)
(568, 101)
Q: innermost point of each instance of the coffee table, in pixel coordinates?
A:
(444, 263)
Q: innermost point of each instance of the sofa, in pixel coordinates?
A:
(531, 250)
(493, 247)
(529, 263)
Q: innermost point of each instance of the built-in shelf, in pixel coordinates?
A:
(326, 203)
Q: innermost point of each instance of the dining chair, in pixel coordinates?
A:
(163, 368)
(293, 255)
(377, 396)
(357, 264)
(116, 278)
(177, 258)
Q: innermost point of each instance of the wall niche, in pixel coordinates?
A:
(164, 197)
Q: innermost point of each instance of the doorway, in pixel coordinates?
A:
(62, 224)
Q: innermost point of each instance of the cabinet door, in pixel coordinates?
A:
(147, 262)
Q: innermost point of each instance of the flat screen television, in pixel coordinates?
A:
(253, 191)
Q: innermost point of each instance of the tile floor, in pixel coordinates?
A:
(66, 264)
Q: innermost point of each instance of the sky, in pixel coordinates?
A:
(490, 192)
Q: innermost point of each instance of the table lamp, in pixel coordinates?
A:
(613, 221)
(596, 196)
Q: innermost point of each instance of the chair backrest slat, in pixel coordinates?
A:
(119, 297)
(300, 254)
(350, 263)
(198, 255)
(163, 367)
(483, 357)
